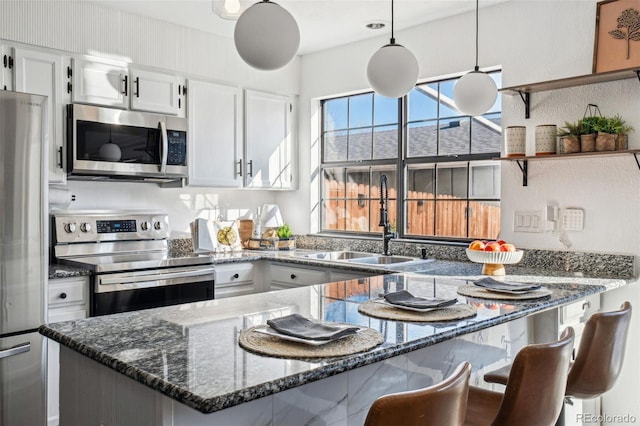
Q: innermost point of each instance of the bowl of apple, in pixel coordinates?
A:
(493, 255)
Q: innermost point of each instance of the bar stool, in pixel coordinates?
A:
(599, 359)
(441, 404)
(533, 396)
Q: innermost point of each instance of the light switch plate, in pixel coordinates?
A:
(528, 221)
(572, 219)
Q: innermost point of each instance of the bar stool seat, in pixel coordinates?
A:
(599, 359)
(535, 386)
(441, 404)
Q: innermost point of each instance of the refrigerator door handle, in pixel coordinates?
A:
(15, 350)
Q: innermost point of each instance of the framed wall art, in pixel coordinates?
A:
(617, 37)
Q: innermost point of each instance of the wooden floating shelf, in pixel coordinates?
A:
(526, 90)
(582, 80)
(523, 162)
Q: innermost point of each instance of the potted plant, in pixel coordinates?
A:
(286, 240)
(588, 133)
(569, 137)
(611, 133)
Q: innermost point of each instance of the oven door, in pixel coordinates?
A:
(135, 290)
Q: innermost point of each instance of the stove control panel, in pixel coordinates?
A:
(87, 226)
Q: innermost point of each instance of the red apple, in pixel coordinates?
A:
(507, 247)
(492, 246)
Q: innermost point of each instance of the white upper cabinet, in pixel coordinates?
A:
(6, 82)
(42, 73)
(100, 82)
(268, 140)
(215, 135)
(155, 92)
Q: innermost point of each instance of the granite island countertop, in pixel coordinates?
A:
(190, 352)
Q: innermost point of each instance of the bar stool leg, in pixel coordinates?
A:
(561, 421)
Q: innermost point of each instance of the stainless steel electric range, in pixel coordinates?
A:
(127, 253)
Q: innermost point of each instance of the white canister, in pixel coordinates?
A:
(546, 139)
(515, 141)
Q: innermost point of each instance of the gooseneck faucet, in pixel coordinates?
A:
(387, 235)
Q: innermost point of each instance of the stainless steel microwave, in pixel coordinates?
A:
(112, 143)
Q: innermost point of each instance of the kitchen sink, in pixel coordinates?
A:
(339, 255)
(383, 260)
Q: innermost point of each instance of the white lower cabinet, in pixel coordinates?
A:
(281, 275)
(68, 299)
(235, 279)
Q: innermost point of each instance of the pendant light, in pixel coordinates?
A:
(266, 36)
(393, 69)
(475, 92)
(228, 9)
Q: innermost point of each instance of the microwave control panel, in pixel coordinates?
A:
(177, 155)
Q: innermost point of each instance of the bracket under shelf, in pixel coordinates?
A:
(526, 98)
(524, 168)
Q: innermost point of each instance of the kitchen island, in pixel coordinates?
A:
(183, 365)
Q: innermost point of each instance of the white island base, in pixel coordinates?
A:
(93, 394)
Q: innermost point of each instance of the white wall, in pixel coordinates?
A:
(532, 40)
(86, 28)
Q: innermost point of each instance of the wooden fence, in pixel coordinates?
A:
(347, 208)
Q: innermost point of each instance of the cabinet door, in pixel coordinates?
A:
(41, 73)
(282, 276)
(100, 82)
(6, 66)
(268, 140)
(215, 135)
(154, 92)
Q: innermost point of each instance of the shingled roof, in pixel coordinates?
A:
(364, 144)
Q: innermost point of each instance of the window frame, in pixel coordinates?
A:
(403, 163)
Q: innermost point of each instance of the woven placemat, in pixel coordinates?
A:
(450, 313)
(475, 291)
(263, 344)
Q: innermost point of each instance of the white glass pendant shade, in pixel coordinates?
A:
(266, 36)
(475, 93)
(392, 71)
(229, 9)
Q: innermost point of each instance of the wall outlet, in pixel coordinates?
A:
(528, 221)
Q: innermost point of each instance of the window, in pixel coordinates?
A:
(442, 181)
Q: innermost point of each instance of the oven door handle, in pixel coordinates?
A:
(164, 148)
(153, 277)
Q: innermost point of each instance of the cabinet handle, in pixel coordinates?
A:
(63, 295)
(126, 85)
(69, 87)
(239, 167)
(250, 172)
(586, 305)
(293, 276)
(236, 276)
(69, 72)
(60, 157)
(137, 87)
(10, 62)
(4, 61)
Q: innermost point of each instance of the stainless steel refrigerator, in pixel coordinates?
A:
(23, 260)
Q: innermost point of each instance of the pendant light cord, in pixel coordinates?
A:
(393, 40)
(477, 6)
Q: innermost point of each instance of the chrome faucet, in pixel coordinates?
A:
(387, 235)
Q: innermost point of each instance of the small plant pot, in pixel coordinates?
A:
(515, 141)
(605, 142)
(588, 142)
(622, 142)
(569, 144)
(546, 139)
